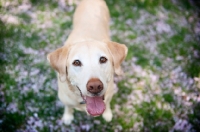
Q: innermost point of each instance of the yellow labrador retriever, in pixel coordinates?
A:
(87, 62)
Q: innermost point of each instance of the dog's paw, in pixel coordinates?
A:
(107, 115)
(67, 119)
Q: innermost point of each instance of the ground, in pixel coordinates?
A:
(161, 84)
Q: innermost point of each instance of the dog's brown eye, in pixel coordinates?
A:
(77, 63)
(102, 60)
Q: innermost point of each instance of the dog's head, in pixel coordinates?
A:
(90, 66)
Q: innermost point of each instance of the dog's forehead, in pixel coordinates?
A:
(88, 49)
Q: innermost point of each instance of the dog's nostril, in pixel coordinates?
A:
(99, 87)
(91, 87)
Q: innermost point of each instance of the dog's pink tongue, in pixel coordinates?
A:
(95, 105)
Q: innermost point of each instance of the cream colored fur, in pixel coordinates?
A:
(88, 41)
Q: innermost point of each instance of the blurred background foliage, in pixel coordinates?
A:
(161, 85)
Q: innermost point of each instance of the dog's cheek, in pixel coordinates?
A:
(71, 77)
(73, 83)
(109, 72)
(109, 77)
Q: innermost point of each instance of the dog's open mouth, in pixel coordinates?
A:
(95, 105)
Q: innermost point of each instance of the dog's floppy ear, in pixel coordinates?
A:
(118, 52)
(58, 60)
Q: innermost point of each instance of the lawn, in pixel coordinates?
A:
(160, 88)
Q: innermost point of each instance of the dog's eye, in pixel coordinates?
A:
(77, 63)
(102, 60)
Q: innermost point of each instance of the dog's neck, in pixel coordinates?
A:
(86, 40)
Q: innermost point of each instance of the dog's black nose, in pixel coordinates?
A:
(94, 86)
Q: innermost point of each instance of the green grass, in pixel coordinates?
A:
(157, 90)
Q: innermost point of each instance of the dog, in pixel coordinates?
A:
(86, 63)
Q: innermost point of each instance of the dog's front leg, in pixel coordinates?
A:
(107, 115)
(68, 115)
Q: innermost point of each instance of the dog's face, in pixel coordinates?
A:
(89, 65)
